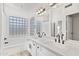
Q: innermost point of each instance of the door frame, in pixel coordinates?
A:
(67, 18)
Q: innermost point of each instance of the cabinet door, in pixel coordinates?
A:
(34, 49)
(42, 51)
(39, 51)
(46, 52)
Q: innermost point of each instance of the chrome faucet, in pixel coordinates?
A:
(62, 38)
(41, 35)
(59, 38)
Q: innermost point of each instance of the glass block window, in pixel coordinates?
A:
(18, 25)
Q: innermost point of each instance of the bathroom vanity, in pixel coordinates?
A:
(51, 48)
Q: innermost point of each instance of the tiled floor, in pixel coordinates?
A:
(23, 53)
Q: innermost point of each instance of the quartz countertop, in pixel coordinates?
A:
(69, 48)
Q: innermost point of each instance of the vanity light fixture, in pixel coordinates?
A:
(52, 4)
(68, 5)
(40, 11)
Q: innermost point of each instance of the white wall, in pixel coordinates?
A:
(0, 25)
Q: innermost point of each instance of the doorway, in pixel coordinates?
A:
(73, 27)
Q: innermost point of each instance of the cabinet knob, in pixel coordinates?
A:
(37, 47)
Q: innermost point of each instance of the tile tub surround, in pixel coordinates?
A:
(69, 48)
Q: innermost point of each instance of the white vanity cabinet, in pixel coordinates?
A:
(42, 51)
(39, 50)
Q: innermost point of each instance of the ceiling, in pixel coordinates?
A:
(31, 6)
